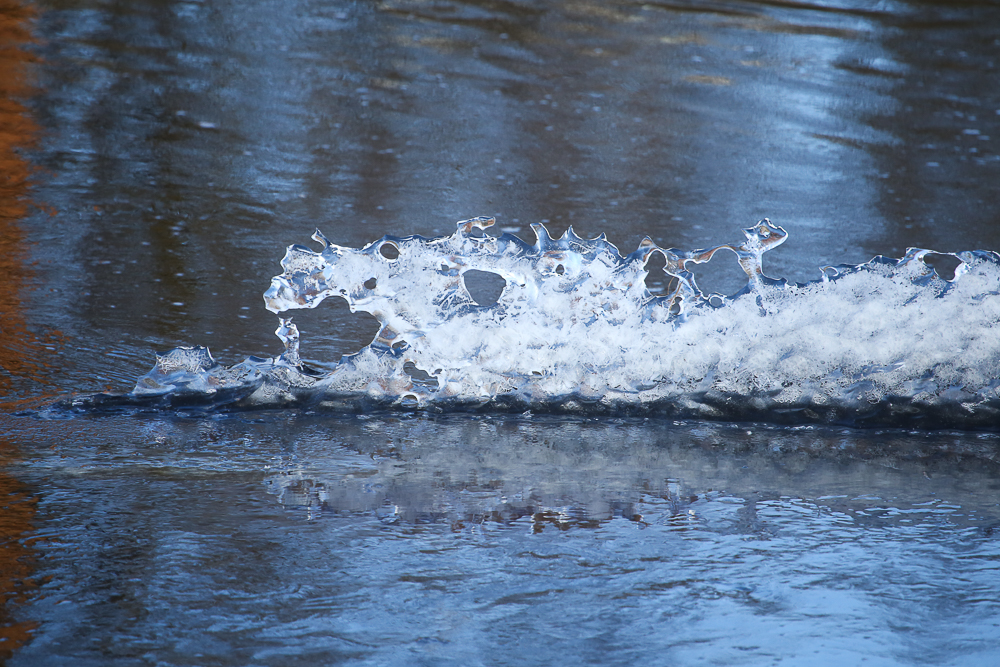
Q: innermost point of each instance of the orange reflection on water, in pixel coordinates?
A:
(19, 349)
(17, 558)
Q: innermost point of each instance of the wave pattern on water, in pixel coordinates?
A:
(575, 329)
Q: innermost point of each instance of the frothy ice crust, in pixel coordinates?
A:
(575, 329)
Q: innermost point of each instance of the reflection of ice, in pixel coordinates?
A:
(544, 474)
(569, 324)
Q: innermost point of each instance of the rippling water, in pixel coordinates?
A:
(159, 157)
(388, 539)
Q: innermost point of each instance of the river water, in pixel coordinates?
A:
(159, 157)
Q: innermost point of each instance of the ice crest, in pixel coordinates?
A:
(562, 324)
(575, 329)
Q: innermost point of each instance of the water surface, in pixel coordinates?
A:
(160, 156)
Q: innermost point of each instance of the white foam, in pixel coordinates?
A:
(576, 327)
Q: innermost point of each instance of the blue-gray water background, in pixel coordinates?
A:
(157, 157)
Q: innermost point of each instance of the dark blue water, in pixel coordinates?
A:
(158, 157)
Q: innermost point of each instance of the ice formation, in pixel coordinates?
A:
(576, 330)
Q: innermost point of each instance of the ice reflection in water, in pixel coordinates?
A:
(455, 540)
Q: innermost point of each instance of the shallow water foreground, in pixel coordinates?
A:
(289, 538)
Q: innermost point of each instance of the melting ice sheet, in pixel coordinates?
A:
(888, 342)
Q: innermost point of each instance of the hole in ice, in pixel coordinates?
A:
(407, 402)
(944, 265)
(370, 283)
(420, 378)
(560, 269)
(389, 250)
(485, 287)
(656, 279)
(332, 331)
(720, 275)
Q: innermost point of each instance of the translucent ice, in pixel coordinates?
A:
(574, 328)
